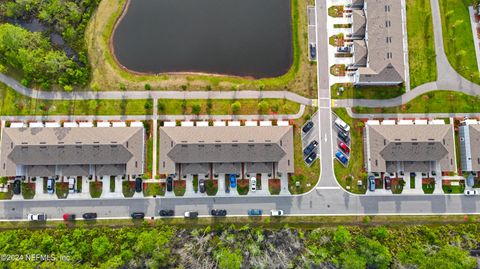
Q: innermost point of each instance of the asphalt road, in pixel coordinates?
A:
(327, 198)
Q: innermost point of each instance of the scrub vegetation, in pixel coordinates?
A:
(160, 246)
(53, 55)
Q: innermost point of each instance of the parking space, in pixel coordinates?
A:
(312, 33)
(310, 140)
(342, 142)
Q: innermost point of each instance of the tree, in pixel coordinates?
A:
(236, 106)
(351, 260)
(263, 107)
(448, 257)
(196, 109)
(342, 236)
(375, 254)
(101, 246)
(148, 87)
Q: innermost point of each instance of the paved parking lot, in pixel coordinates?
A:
(312, 135)
(336, 139)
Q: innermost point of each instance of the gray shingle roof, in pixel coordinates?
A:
(360, 52)
(384, 37)
(410, 145)
(72, 146)
(358, 24)
(471, 145)
(226, 145)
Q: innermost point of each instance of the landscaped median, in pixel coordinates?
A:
(350, 176)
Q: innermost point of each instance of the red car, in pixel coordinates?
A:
(344, 147)
(68, 217)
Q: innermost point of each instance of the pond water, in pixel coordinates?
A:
(233, 37)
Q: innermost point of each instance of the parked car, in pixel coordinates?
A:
(253, 184)
(311, 158)
(387, 182)
(37, 217)
(342, 158)
(254, 212)
(191, 214)
(233, 181)
(342, 125)
(138, 215)
(166, 212)
(343, 49)
(310, 148)
(201, 185)
(307, 127)
(470, 192)
(69, 217)
(17, 186)
(313, 50)
(138, 184)
(71, 185)
(89, 216)
(218, 212)
(344, 137)
(276, 213)
(371, 183)
(169, 184)
(344, 147)
(51, 186)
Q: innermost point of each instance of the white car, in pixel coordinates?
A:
(37, 217)
(470, 192)
(276, 213)
(71, 185)
(253, 184)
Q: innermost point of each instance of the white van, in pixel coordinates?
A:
(342, 125)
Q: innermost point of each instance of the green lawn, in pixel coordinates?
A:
(61, 189)
(224, 106)
(128, 188)
(151, 189)
(431, 102)
(95, 189)
(13, 103)
(349, 176)
(449, 189)
(458, 37)
(28, 190)
(112, 183)
(421, 45)
(351, 92)
(149, 156)
(303, 173)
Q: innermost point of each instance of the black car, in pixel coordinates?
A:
(307, 127)
(138, 215)
(89, 216)
(169, 184)
(201, 185)
(167, 213)
(218, 212)
(311, 158)
(388, 182)
(310, 148)
(17, 186)
(313, 51)
(343, 49)
(344, 137)
(138, 184)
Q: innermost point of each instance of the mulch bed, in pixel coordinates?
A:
(274, 186)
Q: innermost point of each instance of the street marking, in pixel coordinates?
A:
(328, 188)
(315, 102)
(325, 137)
(327, 107)
(333, 103)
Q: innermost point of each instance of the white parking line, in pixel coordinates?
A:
(328, 188)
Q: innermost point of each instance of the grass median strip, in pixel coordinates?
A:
(431, 102)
